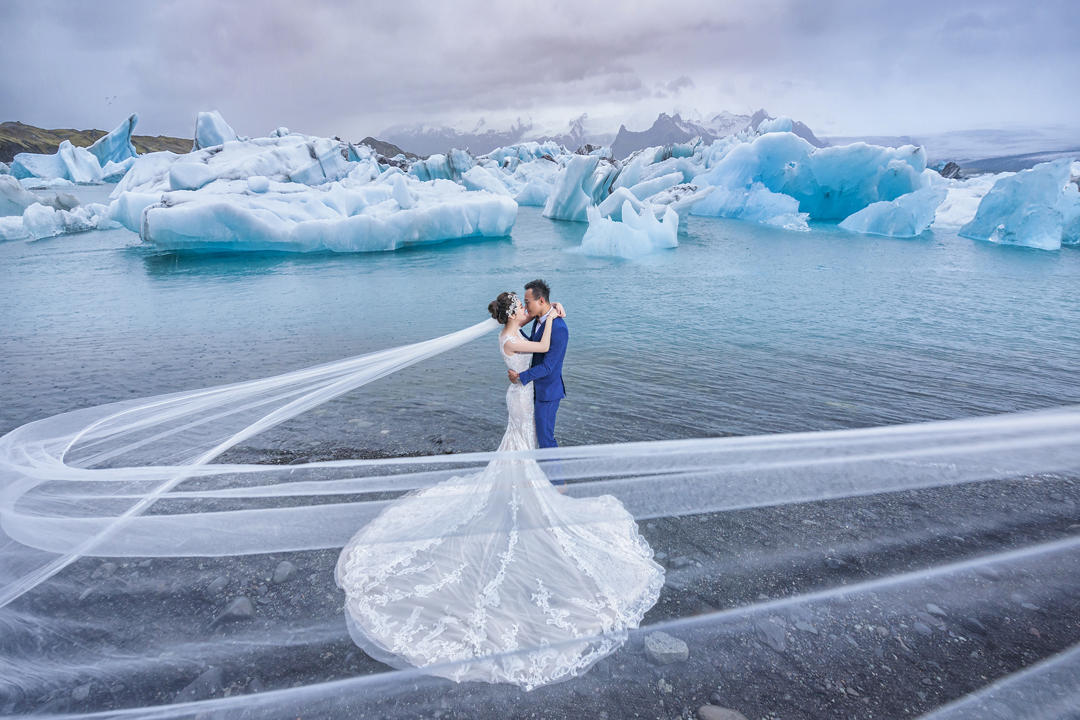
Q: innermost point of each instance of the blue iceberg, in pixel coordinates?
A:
(829, 183)
(906, 216)
(635, 235)
(1038, 208)
(584, 182)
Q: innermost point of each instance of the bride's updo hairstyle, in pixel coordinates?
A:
(502, 306)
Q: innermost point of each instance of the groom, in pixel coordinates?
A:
(546, 370)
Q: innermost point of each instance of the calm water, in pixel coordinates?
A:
(741, 329)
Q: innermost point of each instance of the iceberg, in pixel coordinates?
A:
(106, 160)
(14, 199)
(295, 193)
(292, 158)
(906, 216)
(755, 203)
(829, 183)
(75, 164)
(1038, 208)
(43, 221)
(585, 181)
(339, 217)
(116, 147)
(211, 130)
(635, 235)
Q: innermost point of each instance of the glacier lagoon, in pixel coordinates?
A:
(742, 329)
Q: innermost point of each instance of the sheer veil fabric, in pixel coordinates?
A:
(506, 562)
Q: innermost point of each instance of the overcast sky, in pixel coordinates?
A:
(353, 69)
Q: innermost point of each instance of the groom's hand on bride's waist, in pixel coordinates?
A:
(513, 376)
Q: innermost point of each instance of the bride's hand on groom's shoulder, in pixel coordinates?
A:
(559, 310)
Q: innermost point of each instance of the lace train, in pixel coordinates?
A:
(467, 571)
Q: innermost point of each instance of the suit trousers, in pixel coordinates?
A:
(545, 435)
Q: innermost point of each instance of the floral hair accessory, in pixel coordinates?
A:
(514, 303)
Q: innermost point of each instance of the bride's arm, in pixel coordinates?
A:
(530, 346)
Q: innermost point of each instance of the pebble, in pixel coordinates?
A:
(805, 627)
(935, 610)
(988, 572)
(922, 628)
(81, 693)
(771, 633)
(665, 687)
(283, 571)
(681, 562)
(239, 609)
(662, 648)
(217, 585)
(972, 625)
(715, 712)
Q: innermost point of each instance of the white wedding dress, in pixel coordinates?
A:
(459, 575)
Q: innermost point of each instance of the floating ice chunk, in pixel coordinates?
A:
(584, 181)
(612, 205)
(210, 130)
(12, 228)
(336, 217)
(116, 147)
(754, 204)
(1037, 208)
(81, 165)
(477, 178)
(280, 132)
(906, 216)
(829, 183)
(69, 163)
(35, 165)
(5, 169)
(43, 221)
(14, 199)
(636, 235)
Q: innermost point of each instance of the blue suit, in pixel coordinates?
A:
(546, 376)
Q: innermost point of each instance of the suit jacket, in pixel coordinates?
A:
(546, 370)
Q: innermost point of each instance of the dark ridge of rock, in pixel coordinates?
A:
(949, 170)
(387, 149)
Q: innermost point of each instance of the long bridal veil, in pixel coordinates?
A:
(116, 518)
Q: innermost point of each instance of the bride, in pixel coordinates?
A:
(495, 576)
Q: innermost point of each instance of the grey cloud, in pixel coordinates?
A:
(350, 69)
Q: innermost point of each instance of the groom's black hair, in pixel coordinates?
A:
(540, 289)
